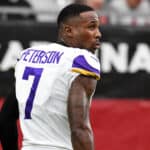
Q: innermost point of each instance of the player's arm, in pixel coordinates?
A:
(80, 93)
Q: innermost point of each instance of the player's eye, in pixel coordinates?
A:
(92, 26)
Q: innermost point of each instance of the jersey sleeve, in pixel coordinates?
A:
(87, 65)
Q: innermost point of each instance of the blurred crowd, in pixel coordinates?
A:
(114, 12)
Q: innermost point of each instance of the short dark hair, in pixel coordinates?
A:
(70, 11)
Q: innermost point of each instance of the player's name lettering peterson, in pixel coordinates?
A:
(41, 57)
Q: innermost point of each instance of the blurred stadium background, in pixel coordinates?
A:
(120, 111)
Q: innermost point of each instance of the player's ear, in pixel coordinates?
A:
(68, 30)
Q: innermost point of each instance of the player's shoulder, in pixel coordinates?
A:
(87, 54)
(86, 63)
(83, 61)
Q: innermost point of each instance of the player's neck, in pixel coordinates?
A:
(62, 43)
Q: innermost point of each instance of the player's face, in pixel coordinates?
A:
(134, 3)
(86, 31)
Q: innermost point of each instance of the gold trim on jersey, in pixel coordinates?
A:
(86, 73)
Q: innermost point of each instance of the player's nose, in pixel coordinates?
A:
(98, 33)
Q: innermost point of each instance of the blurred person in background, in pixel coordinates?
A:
(47, 10)
(130, 12)
(96, 4)
(55, 84)
(101, 6)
